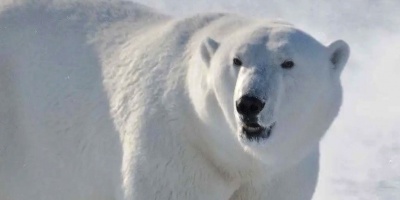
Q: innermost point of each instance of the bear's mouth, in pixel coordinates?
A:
(254, 131)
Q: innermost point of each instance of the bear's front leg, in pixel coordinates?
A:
(173, 175)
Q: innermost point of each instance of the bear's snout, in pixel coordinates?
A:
(249, 105)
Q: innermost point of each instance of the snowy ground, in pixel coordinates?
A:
(361, 152)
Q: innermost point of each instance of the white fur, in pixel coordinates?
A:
(116, 101)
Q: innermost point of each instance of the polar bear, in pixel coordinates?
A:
(113, 100)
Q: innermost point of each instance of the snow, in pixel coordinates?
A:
(361, 151)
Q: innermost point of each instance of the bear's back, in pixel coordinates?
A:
(56, 133)
(90, 13)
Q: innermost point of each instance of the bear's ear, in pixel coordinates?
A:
(208, 48)
(339, 53)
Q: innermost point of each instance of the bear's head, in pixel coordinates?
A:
(270, 91)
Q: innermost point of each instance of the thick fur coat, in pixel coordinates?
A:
(103, 101)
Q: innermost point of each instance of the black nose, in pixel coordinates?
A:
(249, 106)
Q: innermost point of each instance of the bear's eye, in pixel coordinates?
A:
(237, 62)
(287, 64)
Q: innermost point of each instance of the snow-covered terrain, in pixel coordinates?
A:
(361, 152)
